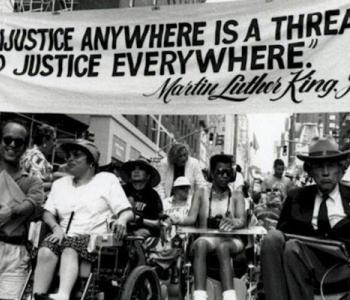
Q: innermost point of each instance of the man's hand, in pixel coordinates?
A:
(57, 235)
(118, 227)
(5, 214)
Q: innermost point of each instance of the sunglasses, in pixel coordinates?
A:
(272, 190)
(222, 172)
(17, 142)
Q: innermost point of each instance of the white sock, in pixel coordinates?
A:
(200, 295)
(59, 296)
(229, 295)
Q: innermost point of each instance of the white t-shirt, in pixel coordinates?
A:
(93, 203)
(176, 210)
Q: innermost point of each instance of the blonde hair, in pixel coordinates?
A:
(175, 150)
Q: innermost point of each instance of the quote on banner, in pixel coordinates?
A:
(220, 57)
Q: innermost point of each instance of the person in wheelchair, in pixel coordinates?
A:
(291, 268)
(268, 212)
(78, 205)
(140, 178)
(222, 209)
(179, 209)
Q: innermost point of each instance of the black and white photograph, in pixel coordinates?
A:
(174, 150)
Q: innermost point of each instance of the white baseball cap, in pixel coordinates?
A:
(181, 181)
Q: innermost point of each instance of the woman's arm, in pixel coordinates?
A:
(58, 234)
(191, 218)
(151, 223)
(239, 218)
(203, 209)
(119, 224)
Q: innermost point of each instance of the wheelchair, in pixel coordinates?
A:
(246, 267)
(120, 273)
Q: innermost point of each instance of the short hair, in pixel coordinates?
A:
(226, 159)
(278, 162)
(18, 122)
(44, 130)
(221, 158)
(89, 158)
(175, 150)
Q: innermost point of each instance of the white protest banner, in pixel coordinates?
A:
(187, 59)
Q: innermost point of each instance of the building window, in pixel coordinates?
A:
(147, 129)
(153, 134)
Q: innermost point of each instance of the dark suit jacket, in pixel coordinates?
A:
(296, 214)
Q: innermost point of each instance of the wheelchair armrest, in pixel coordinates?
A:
(100, 241)
(108, 240)
(34, 233)
(134, 238)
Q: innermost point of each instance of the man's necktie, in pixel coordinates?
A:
(322, 220)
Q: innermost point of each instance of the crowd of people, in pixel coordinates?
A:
(79, 201)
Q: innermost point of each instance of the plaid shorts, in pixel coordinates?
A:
(78, 243)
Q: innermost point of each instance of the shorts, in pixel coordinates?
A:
(78, 243)
(215, 241)
(14, 267)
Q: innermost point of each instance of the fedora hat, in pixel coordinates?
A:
(130, 165)
(324, 149)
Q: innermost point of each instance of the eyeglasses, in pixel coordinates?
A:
(17, 142)
(222, 172)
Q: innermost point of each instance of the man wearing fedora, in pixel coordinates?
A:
(140, 178)
(290, 267)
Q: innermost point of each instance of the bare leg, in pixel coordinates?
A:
(201, 250)
(224, 252)
(44, 271)
(69, 270)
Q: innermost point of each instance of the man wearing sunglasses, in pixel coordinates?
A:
(22, 196)
(222, 209)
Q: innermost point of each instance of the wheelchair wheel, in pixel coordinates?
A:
(137, 254)
(142, 284)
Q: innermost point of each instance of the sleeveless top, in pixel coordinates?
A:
(219, 206)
